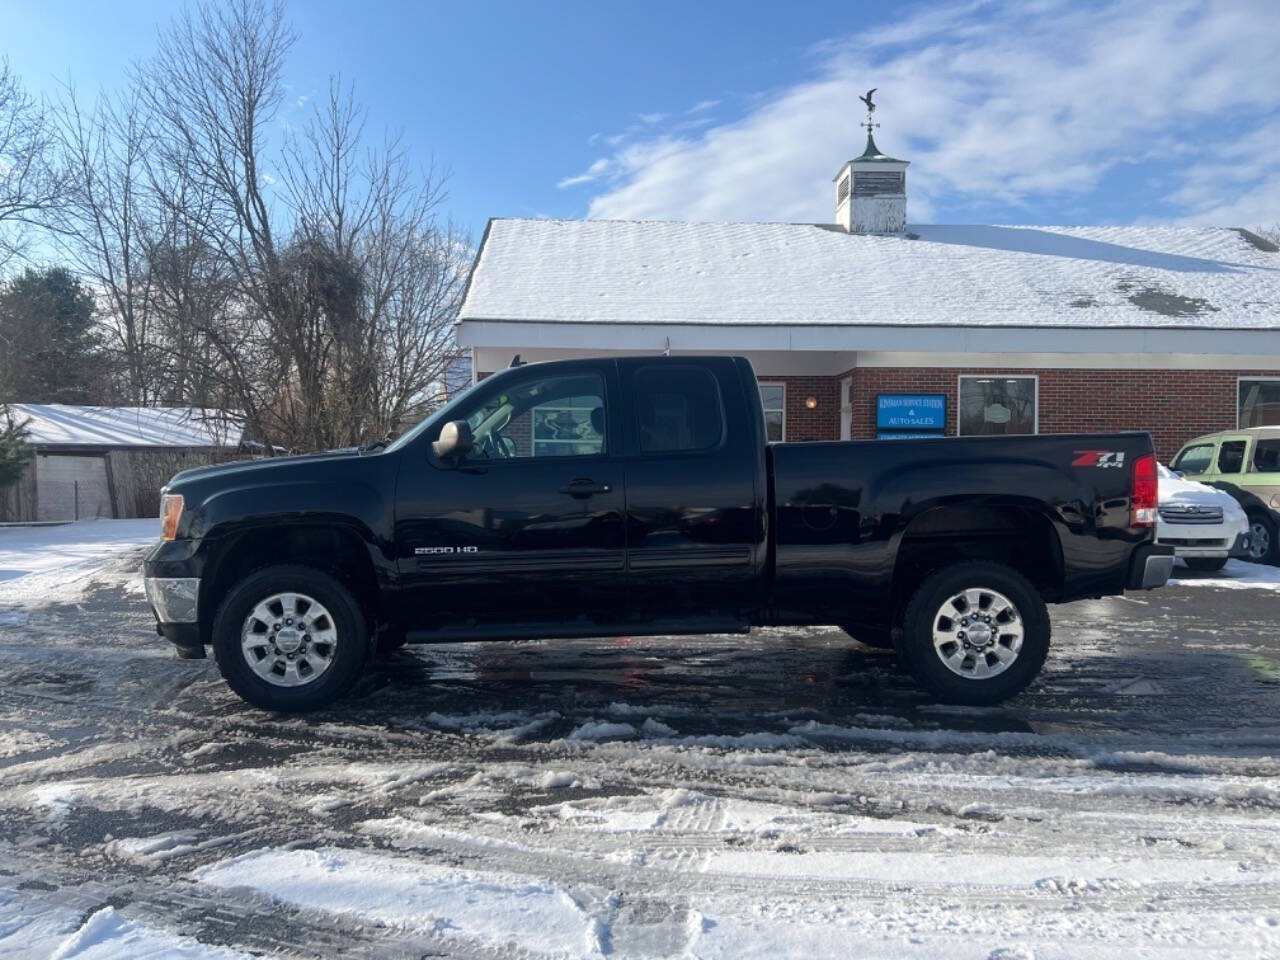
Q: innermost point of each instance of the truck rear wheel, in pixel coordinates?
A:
(975, 633)
(290, 638)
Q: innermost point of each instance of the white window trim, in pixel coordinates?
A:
(846, 408)
(783, 387)
(998, 376)
(1240, 380)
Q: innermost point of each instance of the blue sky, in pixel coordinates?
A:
(1041, 111)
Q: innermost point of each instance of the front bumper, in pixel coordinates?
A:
(1241, 547)
(1150, 566)
(174, 599)
(1237, 546)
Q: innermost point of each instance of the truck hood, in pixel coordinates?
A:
(264, 467)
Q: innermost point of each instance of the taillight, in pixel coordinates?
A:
(170, 514)
(1144, 496)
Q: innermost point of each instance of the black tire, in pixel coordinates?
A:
(879, 637)
(349, 652)
(1206, 563)
(920, 657)
(1268, 525)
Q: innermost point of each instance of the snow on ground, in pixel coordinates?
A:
(58, 933)
(784, 794)
(55, 564)
(1237, 573)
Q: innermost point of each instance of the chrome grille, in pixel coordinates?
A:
(1190, 513)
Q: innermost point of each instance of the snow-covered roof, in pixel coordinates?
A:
(57, 424)
(656, 272)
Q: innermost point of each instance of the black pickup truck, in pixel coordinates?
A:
(638, 496)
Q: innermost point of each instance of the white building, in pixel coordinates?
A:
(1175, 330)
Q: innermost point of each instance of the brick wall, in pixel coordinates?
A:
(821, 423)
(1173, 405)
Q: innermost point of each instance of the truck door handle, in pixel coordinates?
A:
(584, 487)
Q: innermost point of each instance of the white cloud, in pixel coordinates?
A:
(703, 105)
(593, 172)
(994, 103)
(649, 119)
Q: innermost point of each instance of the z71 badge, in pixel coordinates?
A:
(1098, 458)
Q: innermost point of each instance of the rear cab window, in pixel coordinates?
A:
(678, 409)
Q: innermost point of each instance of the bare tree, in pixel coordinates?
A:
(29, 181)
(104, 225)
(396, 273)
(336, 288)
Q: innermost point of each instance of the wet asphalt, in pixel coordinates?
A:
(92, 694)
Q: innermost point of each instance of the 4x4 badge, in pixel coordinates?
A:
(1098, 458)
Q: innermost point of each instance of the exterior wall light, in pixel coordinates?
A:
(811, 403)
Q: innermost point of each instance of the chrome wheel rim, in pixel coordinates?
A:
(1259, 540)
(289, 639)
(977, 633)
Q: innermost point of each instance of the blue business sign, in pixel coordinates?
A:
(911, 411)
(917, 435)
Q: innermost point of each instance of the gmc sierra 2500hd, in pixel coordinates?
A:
(639, 496)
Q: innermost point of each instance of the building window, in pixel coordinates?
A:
(995, 405)
(1258, 402)
(773, 397)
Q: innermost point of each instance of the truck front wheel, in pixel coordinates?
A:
(975, 633)
(290, 638)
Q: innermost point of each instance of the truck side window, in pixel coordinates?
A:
(1195, 460)
(550, 417)
(678, 409)
(1231, 456)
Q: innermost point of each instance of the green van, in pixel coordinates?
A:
(1245, 463)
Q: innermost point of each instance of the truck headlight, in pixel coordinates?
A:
(170, 514)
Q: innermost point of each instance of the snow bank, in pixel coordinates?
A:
(107, 935)
(603, 730)
(500, 909)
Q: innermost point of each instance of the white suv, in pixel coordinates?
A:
(1204, 525)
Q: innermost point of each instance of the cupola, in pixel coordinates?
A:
(871, 189)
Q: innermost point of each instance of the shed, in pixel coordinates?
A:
(111, 461)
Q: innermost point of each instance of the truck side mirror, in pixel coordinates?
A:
(455, 441)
